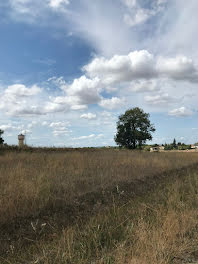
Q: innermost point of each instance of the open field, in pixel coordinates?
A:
(98, 206)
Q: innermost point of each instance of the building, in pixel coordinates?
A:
(157, 149)
(195, 146)
(21, 139)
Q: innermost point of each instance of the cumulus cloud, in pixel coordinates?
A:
(145, 86)
(53, 107)
(135, 65)
(25, 110)
(77, 95)
(141, 65)
(88, 116)
(16, 128)
(140, 71)
(58, 124)
(60, 128)
(178, 68)
(20, 90)
(86, 90)
(7, 127)
(161, 99)
(113, 103)
(180, 112)
(17, 99)
(81, 91)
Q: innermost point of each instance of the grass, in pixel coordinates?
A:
(102, 206)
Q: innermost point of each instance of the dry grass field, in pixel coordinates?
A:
(98, 206)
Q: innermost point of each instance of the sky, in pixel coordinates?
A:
(69, 68)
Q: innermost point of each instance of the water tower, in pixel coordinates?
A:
(21, 139)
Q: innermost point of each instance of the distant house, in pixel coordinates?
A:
(154, 149)
(157, 149)
(161, 148)
(195, 146)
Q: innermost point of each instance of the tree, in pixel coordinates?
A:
(174, 144)
(133, 128)
(1, 139)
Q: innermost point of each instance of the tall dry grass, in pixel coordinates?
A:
(157, 227)
(31, 182)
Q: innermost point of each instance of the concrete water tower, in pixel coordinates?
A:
(21, 139)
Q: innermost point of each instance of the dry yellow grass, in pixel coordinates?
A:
(158, 227)
(30, 182)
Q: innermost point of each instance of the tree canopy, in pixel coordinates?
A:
(134, 128)
(1, 139)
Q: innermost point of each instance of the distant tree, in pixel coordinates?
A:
(174, 143)
(168, 147)
(133, 129)
(1, 139)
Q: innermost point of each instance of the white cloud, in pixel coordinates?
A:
(160, 99)
(145, 86)
(26, 131)
(6, 127)
(58, 133)
(88, 116)
(92, 136)
(130, 3)
(60, 128)
(32, 11)
(58, 3)
(178, 68)
(26, 111)
(138, 14)
(53, 107)
(139, 17)
(135, 65)
(139, 65)
(180, 112)
(60, 82)
(79, 107)
(18, 99)
(58, 124)
(77, 95)
(85, 137)
(20, 90)
(113, 103)
(86, 90)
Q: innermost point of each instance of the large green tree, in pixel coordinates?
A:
(1, 139)
(133, 128)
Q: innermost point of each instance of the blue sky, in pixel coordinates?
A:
(69, 68)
